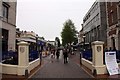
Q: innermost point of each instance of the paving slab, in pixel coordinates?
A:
(57, 69)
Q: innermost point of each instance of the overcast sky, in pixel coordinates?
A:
(46, 17)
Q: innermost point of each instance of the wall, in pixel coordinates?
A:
(9, 69)
(10, 25)
(11, 35)
(13, 69)
(87, 63)
(12, 13)
(33, 64)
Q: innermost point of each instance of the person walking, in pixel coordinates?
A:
(57, 54)
(65, 53)
(53, 51)
(52, 57)
(40, 54)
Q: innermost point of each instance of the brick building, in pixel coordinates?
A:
(113, 27)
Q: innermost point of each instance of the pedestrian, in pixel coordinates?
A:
(53, 51)
(65, 53)
(57, 54)
(110, 49)
(40, 54)
(52, 57)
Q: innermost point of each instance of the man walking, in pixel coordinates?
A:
(57, 54)
(65, 53)
(40, 53)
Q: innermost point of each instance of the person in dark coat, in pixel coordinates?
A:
(65, 53)
(40, 54)
(57, 54)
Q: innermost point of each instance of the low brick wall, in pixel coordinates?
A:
(89, 65)
(33, 64)
(13, 69)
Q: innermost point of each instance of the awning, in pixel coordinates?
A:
(26, 39)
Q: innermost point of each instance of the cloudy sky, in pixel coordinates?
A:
(46, 17)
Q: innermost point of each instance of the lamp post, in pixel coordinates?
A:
(84, 42)
(118, 12)
(36, 42)
(37, 51)
(83, 49)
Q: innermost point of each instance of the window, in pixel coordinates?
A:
(5, 10)
(111, 3)
(98, 32)
(113, 42)
(112, 18)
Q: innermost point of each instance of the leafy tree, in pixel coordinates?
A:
(68, 33)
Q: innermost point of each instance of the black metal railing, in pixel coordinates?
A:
(33, 55)
(87, 54)
(10, 57)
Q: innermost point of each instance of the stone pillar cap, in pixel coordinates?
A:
(97, 43)
(23, 43)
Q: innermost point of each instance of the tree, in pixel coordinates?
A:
(68, 33)
(43, 38)
(58, 41)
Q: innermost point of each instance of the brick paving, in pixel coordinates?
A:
(57, 69)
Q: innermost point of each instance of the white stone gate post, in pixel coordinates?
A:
(97, 57)
(23, 55)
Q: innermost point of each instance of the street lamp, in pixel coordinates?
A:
(84, 42)
(118, 12)
(36, 42)
(83, 50)
(37, 52)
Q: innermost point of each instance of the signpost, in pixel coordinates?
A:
(111, 63)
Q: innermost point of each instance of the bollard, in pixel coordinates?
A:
(94, 72)
(26, 73)
(80, 59)
(119, 71)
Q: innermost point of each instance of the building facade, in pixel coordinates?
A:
(8, 23)
(51, 42)
(95, 23)
(32, 38)
(113, 25)
(80, 36)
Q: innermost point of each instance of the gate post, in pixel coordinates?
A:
(97, 57)
(23, 57)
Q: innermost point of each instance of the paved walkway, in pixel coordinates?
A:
(57, 69)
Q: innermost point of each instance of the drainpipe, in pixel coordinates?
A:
(118, 12)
